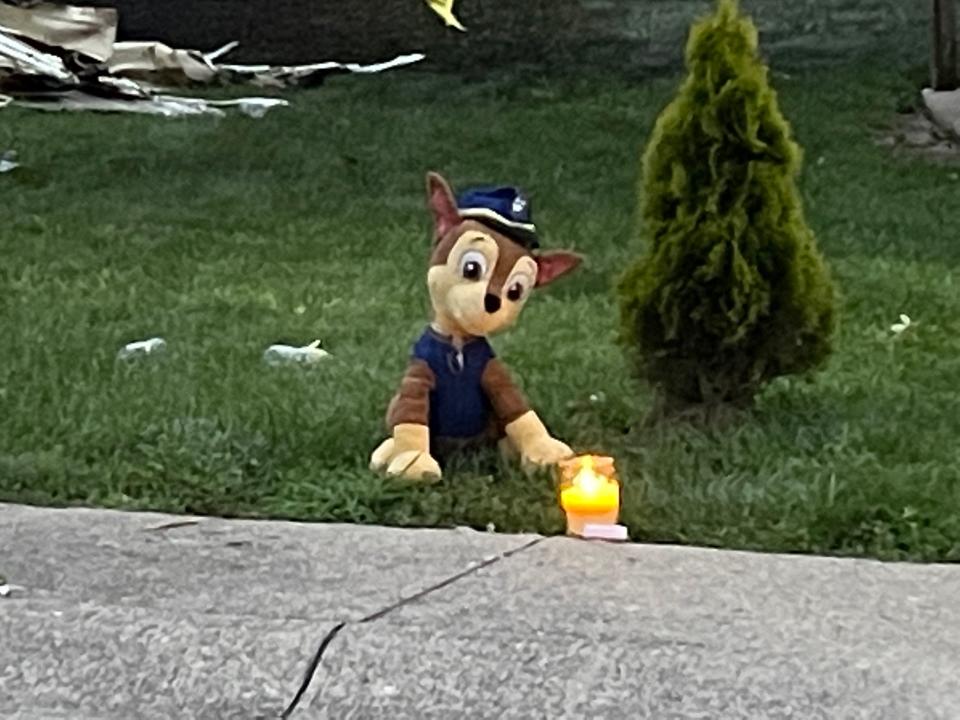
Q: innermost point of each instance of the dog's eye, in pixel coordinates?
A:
(473, 265)
(517, 288)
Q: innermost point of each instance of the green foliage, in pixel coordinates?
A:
(224, 237)
(731, 291)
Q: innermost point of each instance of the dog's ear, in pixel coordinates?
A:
(553, 265)
(442, 205)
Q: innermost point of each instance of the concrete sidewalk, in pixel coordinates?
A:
(122, 618)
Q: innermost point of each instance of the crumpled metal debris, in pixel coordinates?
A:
(290, 75)
(159, 63)
(18, 57)
(90, 31)
(62, 57)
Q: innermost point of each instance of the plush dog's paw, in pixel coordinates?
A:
(407, 454)
(545, 451)
(407, 464)
(382, 455)
(536, 446)
(414, 465)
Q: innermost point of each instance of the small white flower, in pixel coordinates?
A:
(300, 309)
(899, 327)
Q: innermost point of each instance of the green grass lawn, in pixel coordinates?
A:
(226, 236)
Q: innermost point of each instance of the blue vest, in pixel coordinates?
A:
(459, 407)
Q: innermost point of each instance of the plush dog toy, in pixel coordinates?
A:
(456, 393)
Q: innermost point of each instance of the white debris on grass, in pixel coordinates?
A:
(288, 354)
(899, 327)
(141, 348)
(6, 589)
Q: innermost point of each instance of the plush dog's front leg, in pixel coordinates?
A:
(524, 429)
(536, 446)
(407, 453)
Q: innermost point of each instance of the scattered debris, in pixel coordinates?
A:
(142, 348)
(62, 57)
(287, 354)
(444, 8)
(89, 31)
(6, 589)
(305, 75)
(159, 63)
(8, 161)
(219, 52)
(899, 327)
(20, 58)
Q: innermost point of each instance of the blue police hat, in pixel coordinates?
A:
(505, 209)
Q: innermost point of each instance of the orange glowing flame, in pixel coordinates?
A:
(587, 479)
(592, 488)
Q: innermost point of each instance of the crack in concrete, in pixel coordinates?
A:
(386, 610)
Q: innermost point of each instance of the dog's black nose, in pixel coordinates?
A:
(491, 302)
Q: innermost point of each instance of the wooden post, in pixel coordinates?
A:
(943, 57)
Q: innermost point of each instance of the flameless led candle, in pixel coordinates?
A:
(589, 492)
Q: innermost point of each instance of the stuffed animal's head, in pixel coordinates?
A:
(481, 271)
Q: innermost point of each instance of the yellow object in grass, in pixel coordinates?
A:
(444, 8)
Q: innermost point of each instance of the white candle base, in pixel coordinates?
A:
(576, 522)
(593, 531)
